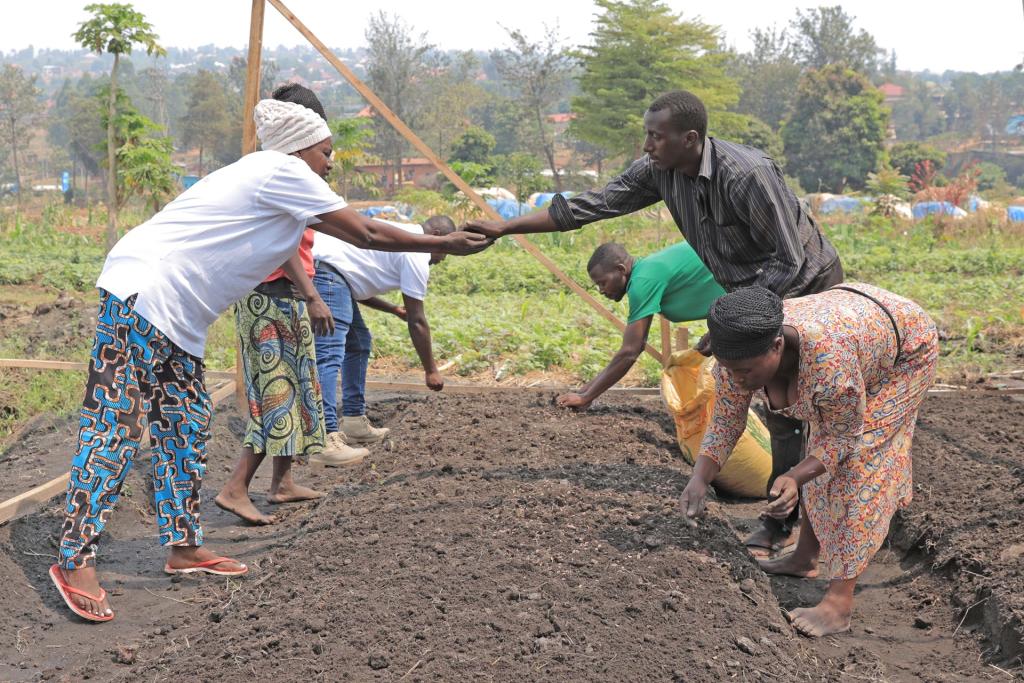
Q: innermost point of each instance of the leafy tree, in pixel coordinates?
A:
(115, 28)
(453, 94)
(19, 109)
(499, 115)
(475, 175)
(238, 70)
(757, 133)
(768, 77)
(395, 66)
(990, 176)
(143, 154)
(475, 145)
(825, 35)
(538, 73)
(640, 50)
(906, 156)
(522, 172)
(144, 168)
(353, 138)
(207, 121)
(834, 135)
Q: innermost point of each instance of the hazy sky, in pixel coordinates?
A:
(982, 35)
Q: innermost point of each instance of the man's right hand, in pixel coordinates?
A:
(462, 243)
(492, 229)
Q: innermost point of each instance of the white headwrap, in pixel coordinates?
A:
(288, 127)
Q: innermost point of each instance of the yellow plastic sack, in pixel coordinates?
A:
(688, 388)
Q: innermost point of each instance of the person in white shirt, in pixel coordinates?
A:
(347, 276)
(161, 286)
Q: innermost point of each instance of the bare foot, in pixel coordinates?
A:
(186, 556)
(827, 618)
(290, 492)
(791, 565)
(85, 579)
(243, 507)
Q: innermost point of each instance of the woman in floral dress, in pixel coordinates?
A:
(854, 362)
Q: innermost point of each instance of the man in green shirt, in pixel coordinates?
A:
(673, 282)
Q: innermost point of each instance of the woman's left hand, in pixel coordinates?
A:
(785, 495)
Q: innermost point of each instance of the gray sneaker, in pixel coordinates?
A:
(337, 453)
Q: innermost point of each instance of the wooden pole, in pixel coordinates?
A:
(253, 66)
(666, 340)
(682, 338)
(429, 154)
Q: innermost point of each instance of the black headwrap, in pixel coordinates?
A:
(744, 323)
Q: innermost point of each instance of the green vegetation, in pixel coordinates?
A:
(503, 315)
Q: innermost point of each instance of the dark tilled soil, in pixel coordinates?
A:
(499, 539)
(968, 511)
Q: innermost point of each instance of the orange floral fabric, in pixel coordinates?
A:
(861, 407)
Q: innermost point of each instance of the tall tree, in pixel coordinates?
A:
(826, 35)
(640, 50)
(115, 28)
(19, 109)
(538, 73)
(835, 135)
(143, 155)
(453, 94)
(207, 122)
(353, 138)
(768, 77)
(394, 68)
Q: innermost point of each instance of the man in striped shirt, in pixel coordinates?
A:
(731, 204)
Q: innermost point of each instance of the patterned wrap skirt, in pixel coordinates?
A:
(286, 415)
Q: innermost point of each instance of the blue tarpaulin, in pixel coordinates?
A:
(389, 213)
(508, 208)
(188, 181)
(922, 209)
(544, 198)
(1015, 214)
(841, 205)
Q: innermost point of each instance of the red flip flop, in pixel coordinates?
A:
(207, 567)
(66, 591)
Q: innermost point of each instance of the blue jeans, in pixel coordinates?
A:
(346, 351)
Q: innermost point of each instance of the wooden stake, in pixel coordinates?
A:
(666, 340)
(253, 67)
(429, 154)
(682, 338)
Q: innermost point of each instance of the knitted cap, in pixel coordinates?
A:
(743, 324)
(288, 127)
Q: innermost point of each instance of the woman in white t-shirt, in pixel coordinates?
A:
(162, 285)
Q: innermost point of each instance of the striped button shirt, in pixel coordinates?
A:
(738, 214)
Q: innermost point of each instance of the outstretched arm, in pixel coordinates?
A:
(630, 191)
(419, 332)
(351, 226)
(633, 340)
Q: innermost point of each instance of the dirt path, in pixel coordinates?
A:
(500, 539)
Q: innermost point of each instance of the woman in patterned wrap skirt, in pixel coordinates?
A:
(855, 363)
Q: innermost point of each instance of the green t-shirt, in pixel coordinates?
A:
(673, 282)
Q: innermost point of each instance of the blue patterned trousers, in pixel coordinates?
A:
(136, 375)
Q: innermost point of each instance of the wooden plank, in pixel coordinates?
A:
(682, 338)
(429, 154)
(253, 66)
(39, 364)
(666, 339)
(28, 500)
